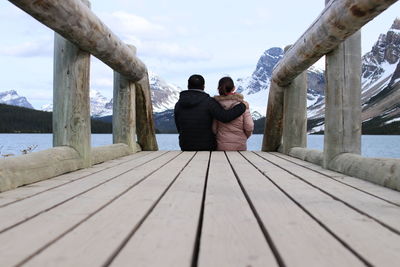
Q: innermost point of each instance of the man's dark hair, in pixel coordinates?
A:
(196, 81)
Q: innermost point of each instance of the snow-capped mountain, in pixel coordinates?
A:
(12, 98)
(163, 95)
(99, 105)
(255, 88)
(380, 83)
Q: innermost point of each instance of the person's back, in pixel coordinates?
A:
(194, 115)
(232, 136)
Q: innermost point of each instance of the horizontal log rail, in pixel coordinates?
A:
(336, 35)
(339, 20)
(73, 20)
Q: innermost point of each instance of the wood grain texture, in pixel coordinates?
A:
(124, 112)
(230, 235)
(343, 99)
(146, 133)
(173, 221)
(376, 244)
(298, 237)
(294, 133)
(381, 192)
(272, 137)
(37, 166)
(338, 21)
(100, 236)
(6, 198)
(382, 211)
(71, 101)
(29, 208)
(76, 22)
(29, 238)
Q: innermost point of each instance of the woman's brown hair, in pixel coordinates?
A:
(225, 85)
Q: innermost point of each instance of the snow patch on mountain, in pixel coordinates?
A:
(255, 88)
(12, 98)
(164, 95)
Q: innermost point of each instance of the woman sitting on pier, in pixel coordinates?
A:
(232, 135)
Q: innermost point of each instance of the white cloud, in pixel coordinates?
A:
(173, 52)
(153, 40)
(102, 82)
(36, 48)
(125, 24)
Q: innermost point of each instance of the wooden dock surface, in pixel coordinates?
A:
(172, 208)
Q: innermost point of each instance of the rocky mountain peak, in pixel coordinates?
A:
(385, 51)
(11, 97)
(267, 62)
(396, 24)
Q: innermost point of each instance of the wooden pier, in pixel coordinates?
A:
(128, 204)
(172, 208)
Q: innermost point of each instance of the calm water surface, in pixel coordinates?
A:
(385, 146)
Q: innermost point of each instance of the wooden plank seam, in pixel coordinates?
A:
(68, 199)
(73, 180)
(264, 230)
(337, 199)
(137, 226)
(311, 215)
(93, 213)
(337, 180)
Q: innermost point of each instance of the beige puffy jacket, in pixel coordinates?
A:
(233, 135)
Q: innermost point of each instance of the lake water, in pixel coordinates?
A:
(384, 146)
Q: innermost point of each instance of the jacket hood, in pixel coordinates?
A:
(191, 98)
(237, 97)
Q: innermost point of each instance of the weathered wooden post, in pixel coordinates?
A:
(146, 133)
(272, 137)
(343, 99)
(71, 102)
(295, 113)
(124, 110)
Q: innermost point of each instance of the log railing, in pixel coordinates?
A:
(79, 34)
(335, 34)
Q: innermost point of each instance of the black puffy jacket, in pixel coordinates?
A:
(194, 114)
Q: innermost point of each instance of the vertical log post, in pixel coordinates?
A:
(71, 102)
(343, 99)
(272, 138)
(295, 113)
(124, 110)
(146, 133)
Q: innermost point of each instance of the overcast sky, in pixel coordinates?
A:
(174, 38)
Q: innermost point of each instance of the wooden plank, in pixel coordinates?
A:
(381, 192)
(382, 211)
(173, 221)
(100, 236)
(369, 239)
(300, 240)
(8, 197)
(76, 22)
(230, 235)
(28, 239)
(23, 210)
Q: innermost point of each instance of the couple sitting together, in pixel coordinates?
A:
(209, 123)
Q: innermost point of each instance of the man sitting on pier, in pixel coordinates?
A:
(194, 114)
